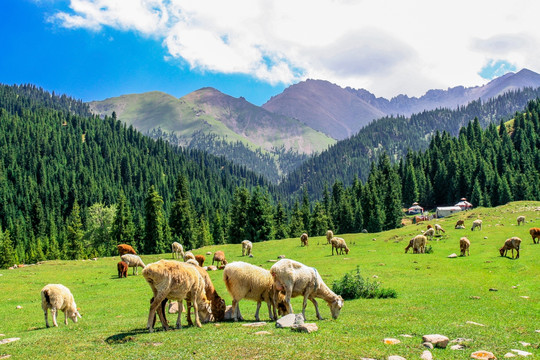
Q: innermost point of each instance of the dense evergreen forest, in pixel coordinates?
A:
(395, 136)
(74, 186)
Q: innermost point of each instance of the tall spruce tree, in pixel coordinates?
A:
(238, 215)
(280, 222)
(7, 252)
(260, 216)
(123, 229)
(154, 241)
(74, 239)
(181, 218)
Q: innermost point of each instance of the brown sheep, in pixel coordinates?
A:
(122, 269)
(464, 245)
(459, 223)
(511, 244)
(216, 302)
(520, 220)
(535, 233)
(429, 226)
(339, 244)
(419, 244)
(200, 259)
(126, 249)
(304, 239)
(219, 258)
(409, 246)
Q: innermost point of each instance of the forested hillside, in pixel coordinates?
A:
(395, 136)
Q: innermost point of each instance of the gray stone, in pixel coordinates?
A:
(6, 356)
(524, 344)
(173, 307)
(208, 253)
(19, 307)
(391, 341)
(290, 320)
(8, 340)
(509, 355)
(437, 340)
(306, 327)
(428, 345)
(255, 324)
(263, 333)
(475, 297)
(406, 335)
(521, 352)
(454, 255)
(426, 355)
(272, 260)
(460, 340)
(375, 276)
(457, 347)
(364, 231)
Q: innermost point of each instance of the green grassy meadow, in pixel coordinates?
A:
(434, 297)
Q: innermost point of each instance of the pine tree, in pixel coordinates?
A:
(74, 242)
(238, 216)
(280, 222)
(154, 241)
(203, 236)
(181, 218)
(306, 211)
(296, 225)
(123, 229)
(217, 228)
(410, 186)
(7, 252)
(319, 220)
(260, 217)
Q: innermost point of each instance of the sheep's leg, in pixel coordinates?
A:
(257, 311)
(269, 303)
(304, 304)
(288, 305)
(195, 300)
(316, 308)
(46, 318)
(156, 305)
(53, 314)
(188, 304)
(65, 317)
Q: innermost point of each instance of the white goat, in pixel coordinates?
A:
(58, 297)
(297, 279)
(133, 261)
(476, 224)
(177, 250)
(246, 247)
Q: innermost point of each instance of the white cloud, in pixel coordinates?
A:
(388, 47)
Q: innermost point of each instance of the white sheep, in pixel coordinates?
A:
(476, 224)
(429, 232)
(133, 261)
(58, 297)
(297, 279)
(246, 247)
(339, 244)
(438, 228)
(246, 281)
(175, 280)
(464, 245)
(329, 236)
(177, 250)
(521, 220)
(189, 255)
(419, 244)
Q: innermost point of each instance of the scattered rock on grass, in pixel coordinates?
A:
(391, 341)
(483, 355)
(524, 297)
(272, 260)
(19, 307)
(428, 345)
(8, 340)
(426, 355)
(290, 320)
(208, 253)
(306, 328)
(437, 340)
(173, 307)
(475, 297)
(406, 335)
(396, 357)
(475, 323)
(521, 352)
(263, 333)
(6, 356)
(524, 344)
(509, 355)
(454, 255)
(255, 324)
(457, 347)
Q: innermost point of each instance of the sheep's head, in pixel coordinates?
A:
(335, 307)
(218, 308)
(281, 304)
(205, 311)
(74, 314)
(501, 250)
(346, 250)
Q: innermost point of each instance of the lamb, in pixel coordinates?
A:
(133, 261)
(339, 244)
(200, 259)
(246, 247)
(477, 224)
(429, 232)
(175, 280)
(438, 229)
(304, 239)
(511, 244)
(58, 297)
(419, 244)
(122, 269)
(535, 233)
(177, 250)
(464, 245)
(459, 224)
(329, 236)
(297, 279)
(125, 249)
(246, 281)
(409, 246)
(520, 220)
(219, 258)
(189, 255)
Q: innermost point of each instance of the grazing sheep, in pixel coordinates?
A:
(438, 229)
(476, 224)
(219, 258)
(460, 223)
(133, 261)
(189, 255)
(511, 244)
(409, 246)
(297, 279)
(175, 280)
(122, 269)
(520, 220)
(339, 244)
(217, 304)
(304, 239)
(535, 233)
(464, 245)
(200, 259)
(125, 249)
(246, 281)
(329, 236)
(429, 226)
(429, 232)
(177, 250)
(246, 247)
(58, 297)
(419, 244)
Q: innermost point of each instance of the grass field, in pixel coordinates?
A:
(434, 297)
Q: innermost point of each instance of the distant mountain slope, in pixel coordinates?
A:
(222, 125)
(340, 112)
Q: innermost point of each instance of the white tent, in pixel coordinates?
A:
(416, 209)
(464, 204)
(446, 210)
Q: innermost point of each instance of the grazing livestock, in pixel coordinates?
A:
(419, 244)
(476, 224)
(429, 226)
(246, 247)
(329, 236)
(177, 250)
(219, 258)
(409, 246)
(464, 245)
(520, 220)
(535, 233)
(175, 280)
(133, 261)
(58, 297)
(438, 229)
(125, 249)
(189, 255)
(304, 240)
(511, 244)
(246, 281)
(339, 244)
(429, 232)
(122, 269)
(297, 279)
(200, 260)
(460, 223)
(217, 304)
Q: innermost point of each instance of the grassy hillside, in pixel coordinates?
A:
(434, 296)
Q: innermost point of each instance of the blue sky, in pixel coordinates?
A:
(94, 49)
